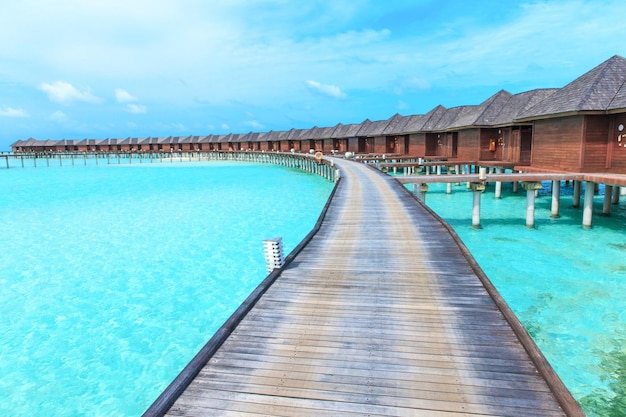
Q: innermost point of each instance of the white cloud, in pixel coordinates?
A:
(58, 116)
(402, 105)
(123, 96)
(66, 93)
(326, 89)
(254, 125)
(225, 126)
(11, 112)
(136, 108)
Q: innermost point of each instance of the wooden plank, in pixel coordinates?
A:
(426, 400)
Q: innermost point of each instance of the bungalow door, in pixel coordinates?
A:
(363, 145)
(432, 144)
(455, 144)
(525, 141)
(392, 144)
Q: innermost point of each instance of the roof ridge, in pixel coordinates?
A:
(616, 94)
(491, 103)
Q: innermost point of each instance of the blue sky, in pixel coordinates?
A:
(74, 69)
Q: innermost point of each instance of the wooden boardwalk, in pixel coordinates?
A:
(381, 313)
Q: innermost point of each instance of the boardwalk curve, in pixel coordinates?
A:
(381, 313)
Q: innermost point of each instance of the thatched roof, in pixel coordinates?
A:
(431, 119)
(489, 110)
(457, 117)
(372, 129)
(598, 90)
(326, 132)
(346, 131)
(519, 103)
(394, 124)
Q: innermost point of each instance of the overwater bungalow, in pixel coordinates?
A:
(356, 143)
(577, 128)
(272, 141)
(204, 143)
(515, 138)
(340, 142)
(392, 132)
(379, 143)
(580, 127)
(470, 136)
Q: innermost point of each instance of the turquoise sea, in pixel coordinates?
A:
(566, 284)
(114, 276)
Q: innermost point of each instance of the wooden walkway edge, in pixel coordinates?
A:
(381, 310)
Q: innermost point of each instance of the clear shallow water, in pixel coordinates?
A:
(113, 277)
(567, 285)
(108, 288)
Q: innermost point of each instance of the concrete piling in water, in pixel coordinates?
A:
(556, 196)
(576, 196)
(477, 189)
(531, 189)
(588, 204)
(498, 189)
(608, 197)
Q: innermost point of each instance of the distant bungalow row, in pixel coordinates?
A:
(577, 128)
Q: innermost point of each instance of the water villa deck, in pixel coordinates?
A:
(381, 311)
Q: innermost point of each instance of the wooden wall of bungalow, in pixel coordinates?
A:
(386, 144)
(435, 145)
(264, 145)
(511, 144)
(558, 143)
(580, 143)
(617, 144)
(341, 145)
(397, 144)
(417, 144)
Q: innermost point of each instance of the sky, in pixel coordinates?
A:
(75, 69)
